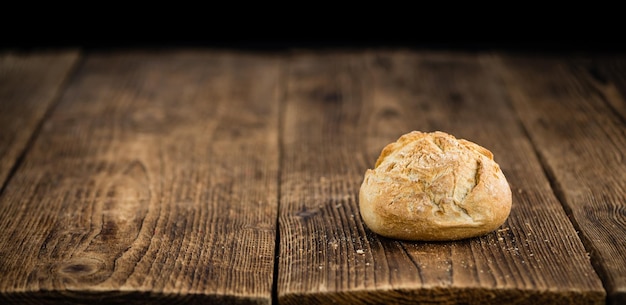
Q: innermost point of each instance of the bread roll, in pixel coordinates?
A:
(434, 187)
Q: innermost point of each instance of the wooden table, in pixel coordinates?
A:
(207, 176)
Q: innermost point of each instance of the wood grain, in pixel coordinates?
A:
(29, 84)
(153, 181)
(605, 77)
(575, 118)
(340, 110)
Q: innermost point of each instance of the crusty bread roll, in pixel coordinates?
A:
(432, 186)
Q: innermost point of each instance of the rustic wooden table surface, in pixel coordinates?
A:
(204, 176)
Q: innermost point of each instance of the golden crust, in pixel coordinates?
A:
(432, 186)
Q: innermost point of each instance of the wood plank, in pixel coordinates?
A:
(340, 110)
(578, 130)
(606, 77)
(29, 84)
(154, 181)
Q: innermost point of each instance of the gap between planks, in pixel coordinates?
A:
(54, 101)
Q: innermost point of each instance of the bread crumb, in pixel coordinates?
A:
(360, 252)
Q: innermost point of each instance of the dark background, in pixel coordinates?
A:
(556, 45)
(520, 27)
